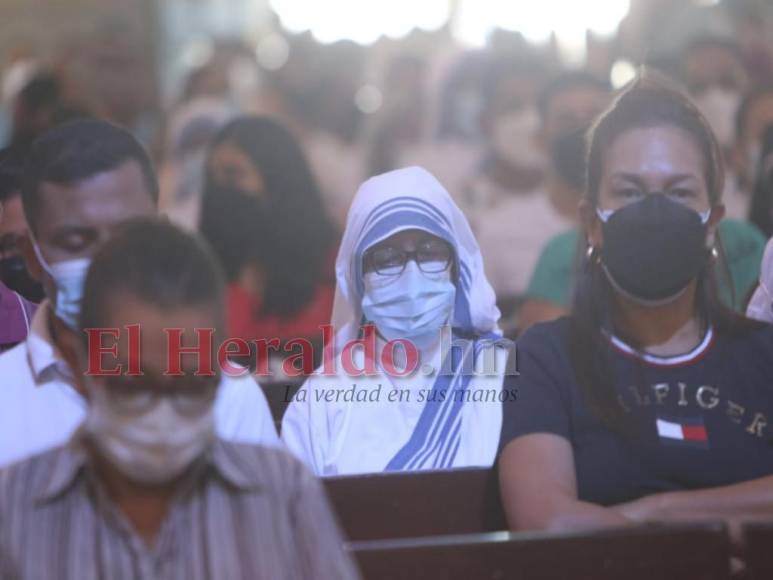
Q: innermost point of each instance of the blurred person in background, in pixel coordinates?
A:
(191, 129)
(16, 309)
(409, 268)
(40, 105)
(568, 104)
(715, 73)
(507, 203)
(454, 147)
(34, 108)
(331, 123)
(81, 181)
(755, 120)
(755, 114)
(263, 213)
(399, 122)
(13, 229)
(145, 488)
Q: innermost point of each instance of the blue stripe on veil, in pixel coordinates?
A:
(436, 438)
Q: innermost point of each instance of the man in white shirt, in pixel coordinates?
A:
(84, 179)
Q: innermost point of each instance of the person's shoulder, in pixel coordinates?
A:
(25, 481)
(740, 234)
(14, 367)
(551, 333)
(563, 242)
(559, 252)
(238, 379)
(756, 339)
(262, 467)
(740, 229)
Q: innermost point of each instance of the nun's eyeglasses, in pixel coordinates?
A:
(432, 257)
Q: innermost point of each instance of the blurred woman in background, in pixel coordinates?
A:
(263, 214)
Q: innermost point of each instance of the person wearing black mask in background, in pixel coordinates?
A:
(567, 106)
(651, 401)
(19, 292)
(263, 214)
(13, 228)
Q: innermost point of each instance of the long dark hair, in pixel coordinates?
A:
(645, 102)
(300, 237)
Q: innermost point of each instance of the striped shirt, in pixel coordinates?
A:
(243, 512)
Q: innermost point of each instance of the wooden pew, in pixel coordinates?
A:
(695, 552)
(426, 503)
(758, 540)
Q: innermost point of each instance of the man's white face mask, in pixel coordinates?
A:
(155, 445)
(69, 277)
(413, 305)
(513, 139)
(720, 106)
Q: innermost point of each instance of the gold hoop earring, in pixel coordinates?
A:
(592, 254)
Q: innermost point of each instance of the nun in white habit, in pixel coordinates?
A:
(409, 266)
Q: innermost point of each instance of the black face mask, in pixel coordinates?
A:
(13, 273)
(653, 248)
(236, 225)
(568, 155)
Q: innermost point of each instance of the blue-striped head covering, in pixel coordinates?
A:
(403, 199)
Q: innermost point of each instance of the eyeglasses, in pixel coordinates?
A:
(131, 395)
(432, 257)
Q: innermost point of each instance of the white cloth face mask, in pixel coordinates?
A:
(153, 447)
(69, 278)
(720, 107)
(412, 305)
(514, 139)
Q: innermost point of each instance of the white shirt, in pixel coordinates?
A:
(362, 436)
(40, 409)
(512, 229)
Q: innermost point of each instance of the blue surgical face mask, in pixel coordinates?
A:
(413, 305)
(69, 277)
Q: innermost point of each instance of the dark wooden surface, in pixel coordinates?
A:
(428, 503)
(649, 553)
(758, 539)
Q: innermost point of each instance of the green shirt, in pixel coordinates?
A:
(743, 244)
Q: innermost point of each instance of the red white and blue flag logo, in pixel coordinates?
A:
(689, 432)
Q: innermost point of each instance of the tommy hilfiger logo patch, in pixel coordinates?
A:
(684, 431)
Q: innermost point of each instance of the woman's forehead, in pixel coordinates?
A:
(656, 150)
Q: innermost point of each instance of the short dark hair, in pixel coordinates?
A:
(11, 166)
(564, 82)
(75, 151)
(155, 262)
(43, 90)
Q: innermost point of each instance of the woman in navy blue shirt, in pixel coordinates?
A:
(651, 401)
